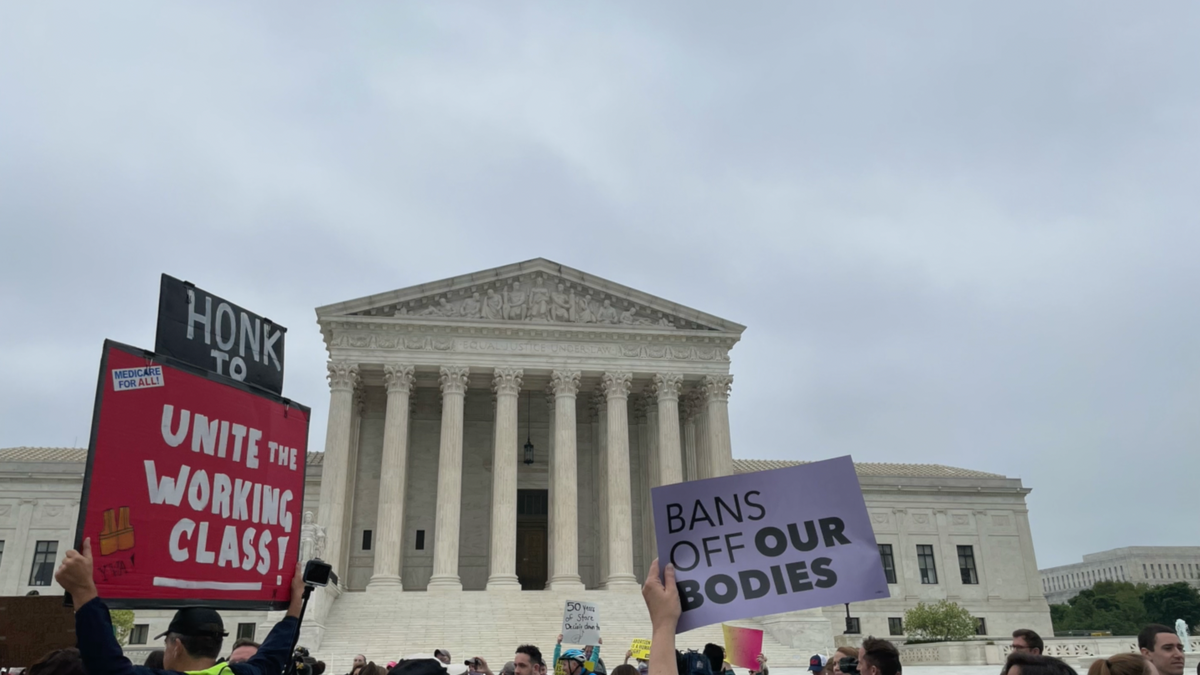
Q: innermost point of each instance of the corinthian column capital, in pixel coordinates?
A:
(453, 379)
(716, 387)
(616, 385)
(667, 386)
(690, 404)
(639, 407)
(507, 381)
(343, 375)
(399, 379)
(565, 382)
(360, 398)
(596, 403)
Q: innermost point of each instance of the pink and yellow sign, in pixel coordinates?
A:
(742, 646)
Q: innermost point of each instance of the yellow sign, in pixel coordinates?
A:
(640, 649)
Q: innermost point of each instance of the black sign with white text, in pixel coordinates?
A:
(212, 333)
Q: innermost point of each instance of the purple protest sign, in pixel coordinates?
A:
(768, 542)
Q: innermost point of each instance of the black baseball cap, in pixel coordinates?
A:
(196, 621)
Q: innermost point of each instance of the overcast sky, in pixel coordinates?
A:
(958, 233)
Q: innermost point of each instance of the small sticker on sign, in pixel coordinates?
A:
(125, 379)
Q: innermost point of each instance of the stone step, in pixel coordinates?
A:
(387, 624)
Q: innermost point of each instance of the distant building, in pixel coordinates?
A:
(1154, 565)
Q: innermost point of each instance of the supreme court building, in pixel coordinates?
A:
(500, 432)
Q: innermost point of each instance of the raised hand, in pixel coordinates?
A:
(75, 575)
(662, 597)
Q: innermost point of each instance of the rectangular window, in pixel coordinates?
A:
(966, 565)
(889, 562)
(420, 540)
(980, 626)
(895, 625)
(245, 630)
(1, 552)
(852, 626)
(926, 564)
(366, 540)
(140, 634)
(42, 572)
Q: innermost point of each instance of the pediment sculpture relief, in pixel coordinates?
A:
(536, 300)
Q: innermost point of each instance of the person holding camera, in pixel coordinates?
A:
(193, 639)
(844, 661)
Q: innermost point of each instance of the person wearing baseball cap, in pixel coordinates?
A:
(816, 663)
(193, 638)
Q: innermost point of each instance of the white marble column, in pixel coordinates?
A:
(720, 446)
(358, 409)
(550, 480)
(653, 464)
(666, 390)
(687, 411)
(620, 521)
(449, 489)
(503, 572)
(343, 377)
(642, 471)
(389, 525)
(703, 465)
(600, 436)
(565, 572)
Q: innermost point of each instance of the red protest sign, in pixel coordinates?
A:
(194, 486)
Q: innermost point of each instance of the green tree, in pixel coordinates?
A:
(1165, 604)
(941, 621)
(122, 621)
(1115, 606)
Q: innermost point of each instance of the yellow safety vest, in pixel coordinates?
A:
(219, 669)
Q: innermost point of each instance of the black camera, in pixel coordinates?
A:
(317, 572)
(848, 665)
(304, 662)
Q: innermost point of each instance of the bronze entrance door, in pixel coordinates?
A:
(532, 568)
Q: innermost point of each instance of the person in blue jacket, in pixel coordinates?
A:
(193, 640)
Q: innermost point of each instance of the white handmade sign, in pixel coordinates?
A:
(581, 623)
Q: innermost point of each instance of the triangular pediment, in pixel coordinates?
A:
(534, 292)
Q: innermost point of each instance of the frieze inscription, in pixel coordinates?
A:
(489, 346)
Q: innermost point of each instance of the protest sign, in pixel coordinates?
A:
(212, 333)
(33, 626)
(581, 623)
(742, 646)
(640, 649)
(193, 488)
(768, 542)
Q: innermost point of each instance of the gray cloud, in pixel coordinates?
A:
(958, 234)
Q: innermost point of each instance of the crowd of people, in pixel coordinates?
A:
(193, 643)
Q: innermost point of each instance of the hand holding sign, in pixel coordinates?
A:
(581, 623)
(661, 595)
(768, 542)
(75, 575)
